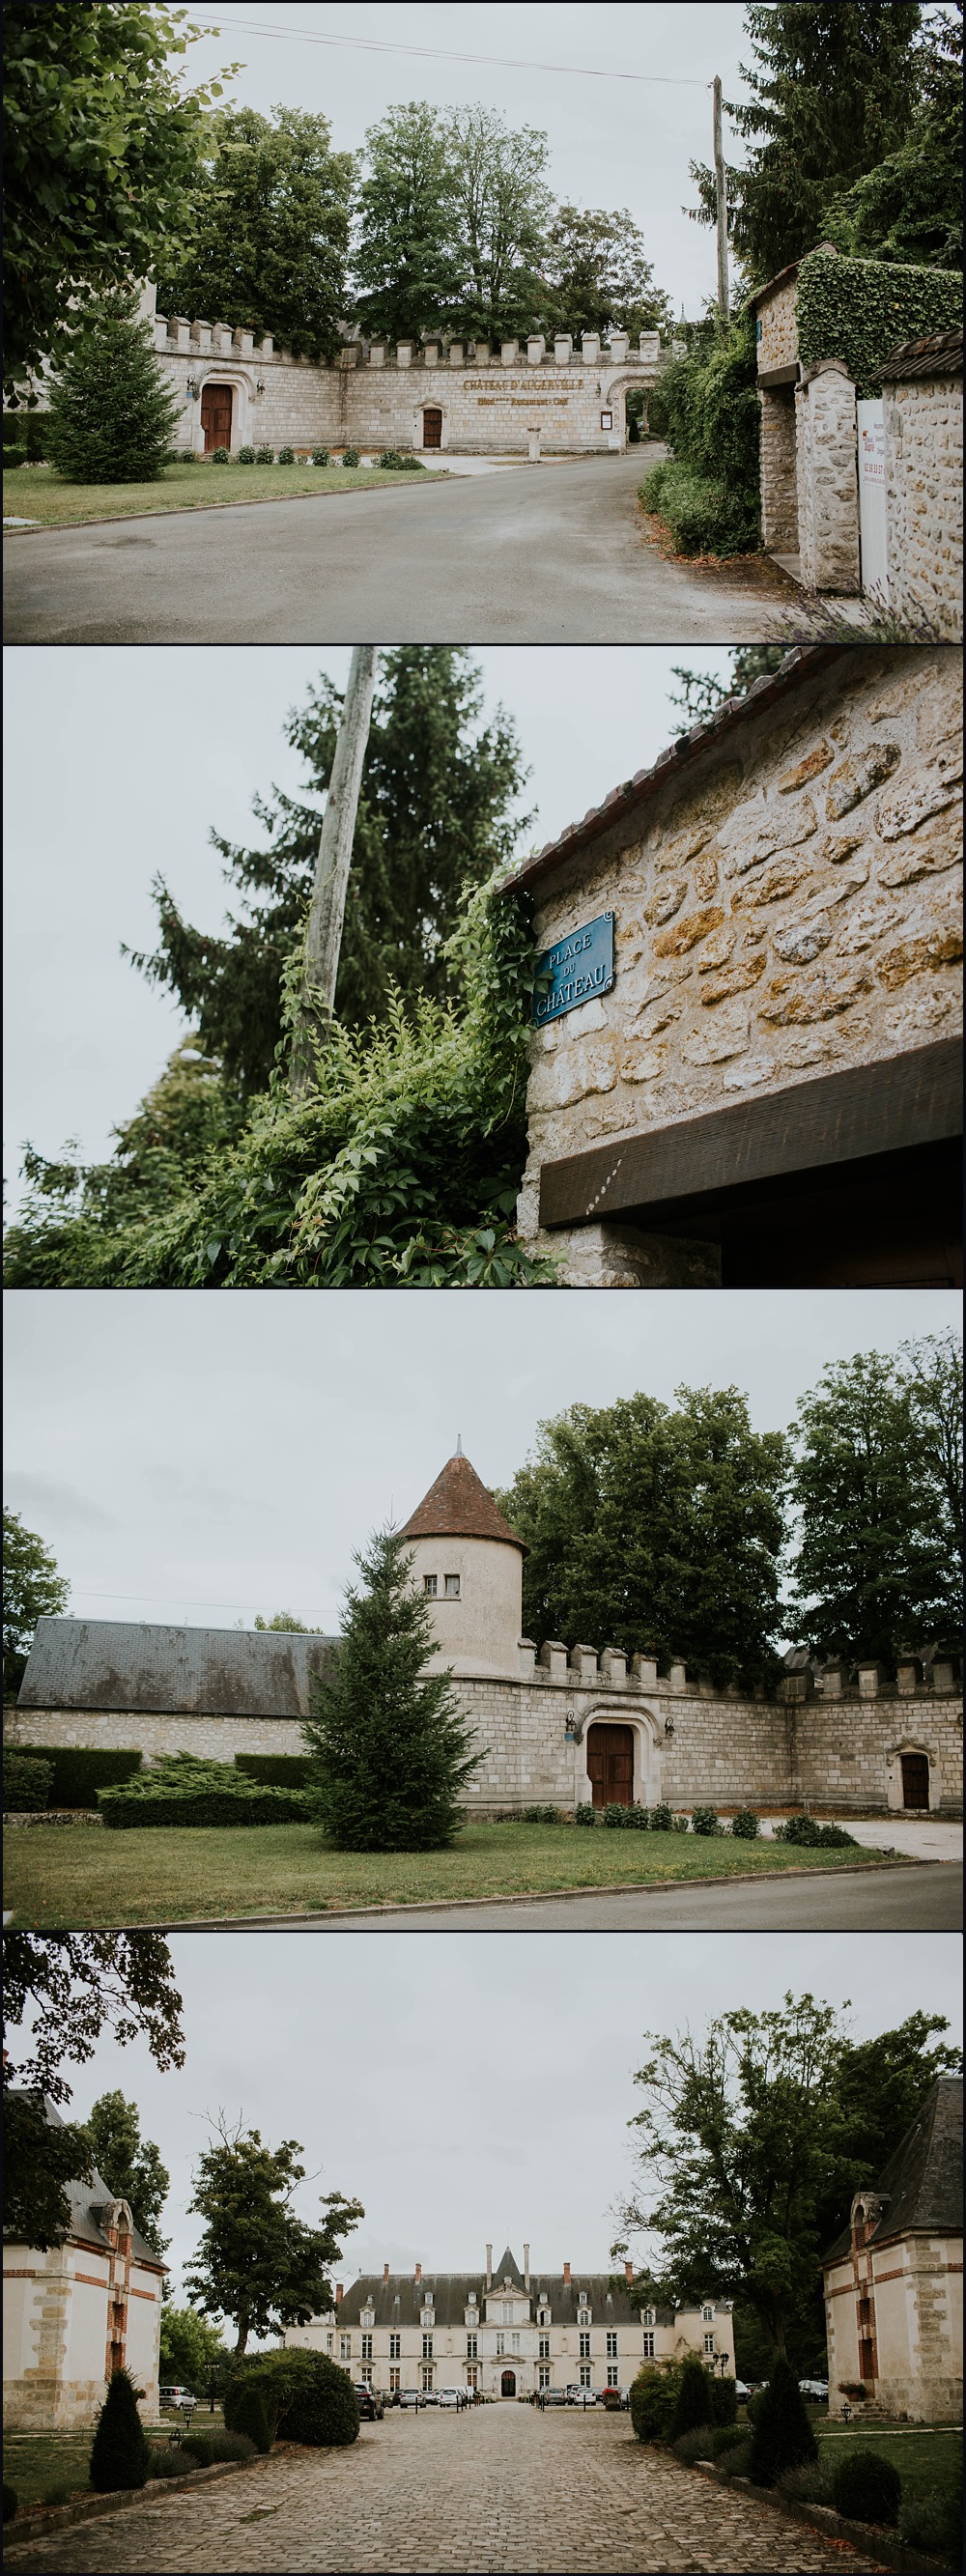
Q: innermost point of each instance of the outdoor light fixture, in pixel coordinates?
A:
(191, 388)
(260, 386)
(669, 1726)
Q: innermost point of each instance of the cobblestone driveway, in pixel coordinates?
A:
(502, 2488)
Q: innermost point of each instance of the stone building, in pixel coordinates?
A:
(553, 1728)
(894, 2278)
(923, 448)
(764, 1087)
(76, 2312)
(509, 2331)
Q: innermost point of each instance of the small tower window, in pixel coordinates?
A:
(452, 1586)
(431, 1586)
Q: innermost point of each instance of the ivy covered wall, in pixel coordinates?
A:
(860, 309)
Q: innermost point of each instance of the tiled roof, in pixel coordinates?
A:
(401, 2300)
(459, 1506)
(939, 355)
(87, 2203)
(181, 1672)
(922, 2184)
(800, 665)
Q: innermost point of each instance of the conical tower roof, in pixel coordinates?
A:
(458, 1506)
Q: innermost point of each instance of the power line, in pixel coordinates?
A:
(443, 54)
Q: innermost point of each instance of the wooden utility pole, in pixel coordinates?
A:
(323, 938)
(722, 206)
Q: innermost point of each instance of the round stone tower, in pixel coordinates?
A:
(468, 1563)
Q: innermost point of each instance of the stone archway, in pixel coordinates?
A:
(234, 388)
(644, 1727)
(631, 380)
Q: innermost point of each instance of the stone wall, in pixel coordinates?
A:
(777, 317)
(839, 1746)
(788, 903)
(827, 479)
(779, 470)
(924, 500)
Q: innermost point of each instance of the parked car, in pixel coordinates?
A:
(451, 2396)
(177, 2397)
(742, 2391)
(581, 2396)
(369, 2401)
(411, 2397)
(552, 2397)
(429, 2397)
(817, 2389)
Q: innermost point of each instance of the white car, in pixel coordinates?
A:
(451, 2396)
(177, 2397)
(815, 2388)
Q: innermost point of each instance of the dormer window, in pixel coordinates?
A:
(451, 1587)
(650, 2316)
(583, 2316)
(707, 2315)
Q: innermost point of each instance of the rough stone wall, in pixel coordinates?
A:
(916, 2289)
(779, 471)
(55, 2337)
(778, 318)
(827, 476)
(788, 906)
(374, 396)
(693, 1746)
(924, 500)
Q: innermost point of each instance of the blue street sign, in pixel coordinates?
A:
(577, 969)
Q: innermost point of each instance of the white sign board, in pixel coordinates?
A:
(872, 498)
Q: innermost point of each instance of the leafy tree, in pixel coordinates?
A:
(910, 207)
(130, 2164)
(600, 276)
(121, 2454)
(269, 232)
(32, 1590)
(112, 418)
(833, 86)
(286, 1621)
(656, 1530)
(407, 273)
(754, 2140)
(933, 1374)
(701, 693)
(391, 1740)
(73, 1984)
(877, 1567)
(101, 146)
(192, 2352)
(258, 2263)
(435, 814)
(503, 210)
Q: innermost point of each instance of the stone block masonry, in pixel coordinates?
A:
(923, 421)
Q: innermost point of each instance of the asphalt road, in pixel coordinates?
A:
(912, 1899)
(546, 554)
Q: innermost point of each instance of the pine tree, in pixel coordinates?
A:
(695, 2402)
(120, 2455)
(782, 2437)
(391, 1741)
(112, 418)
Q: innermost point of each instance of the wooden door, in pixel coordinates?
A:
(610, 1765)
(915, 1780)
(216, 416)
(432, 428)
(508, 2384)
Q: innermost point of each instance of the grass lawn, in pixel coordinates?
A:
(36, 492)
(929, 2463)
(46, 2468)
(57, 1878)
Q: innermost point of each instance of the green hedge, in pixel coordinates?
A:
(276, 1770)
(26, 1783)
(704, 517)
(306, 2397)
(860, 309)
(186, 1791)
(78, 1774)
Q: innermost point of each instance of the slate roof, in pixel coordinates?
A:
(400, 2300)
(939, 355)
(802, 664)
(87, 2202)
(459, 1506)
(178, 1672)
(922, 2184)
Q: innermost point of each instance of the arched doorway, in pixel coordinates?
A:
(508, 2383)
(432, 427)
(915, 1780)
(610, 1765)
(216, 412)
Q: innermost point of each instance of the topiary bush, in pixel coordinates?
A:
(782, 2437)
(537, 1816)
(694, 2402)
(746, 1826)
(637, 1819)
(120, 2453)
(26, 1782)
(198, 2447)
(705, 1821)
(266, 456)
(246, 456)
(76, 1774)
(585, 1814)
(866, 2487)
(286, 456)
(350, 456)
(662, 1821)
(320, 456)
(812, 1836)
(220, 456)
(613, 1816)
(249, 2419)
(652, 2402)
(724, 2401)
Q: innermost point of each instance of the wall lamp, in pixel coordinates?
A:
(191, 388)
(669, 1726)
(260, 386)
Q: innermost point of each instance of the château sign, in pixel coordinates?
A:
(576, 969)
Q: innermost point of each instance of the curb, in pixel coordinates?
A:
(30, 2527)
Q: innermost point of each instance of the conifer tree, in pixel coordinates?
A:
(112, 418)
(390, 1739)
(120, 2455)
(782, 2437)
(695, 2402)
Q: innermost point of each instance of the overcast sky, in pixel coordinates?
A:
(623, 94)
(202, 1457)
(118, 764)
(467, 2086)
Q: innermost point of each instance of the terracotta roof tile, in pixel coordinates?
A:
(459, 1506)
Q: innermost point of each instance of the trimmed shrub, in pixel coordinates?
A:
(705, 1821)
(694, 2402)
(653, 2400)
(810, 2484)
(680, 1824)
(782, 2437)
(120, 2452)
(233, 2446)
(77, 1774)
(585, 1814)
(320, 456)
(662, 1821)
(724, 2401)
(391, 462)
(198, 2447)
(246, 456)
(736, 2461)
(613, 1816)
(746, 1826)
(350, 456)
(249, 2420)
(220, 456)
(286, 456)
(266, 456)
(275, 1770)
(726, 2438)
(306, 2397)
(866, 2487)
(537, 1816)
(165, 2460)
(695, 2445)
(805, 1831)
(11, 2502)
(186, 1791)
(26, 1783)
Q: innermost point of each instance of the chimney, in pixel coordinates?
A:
(628, 2272)
(419, 2272)
(526, 2267)
(566, 2276)
(385, 2271)
(338, 2294)
(489, 2267)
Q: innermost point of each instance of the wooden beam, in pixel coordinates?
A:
(839, 1118)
